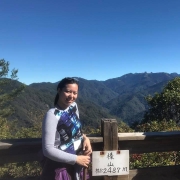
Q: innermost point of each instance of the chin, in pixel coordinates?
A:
(69, 103)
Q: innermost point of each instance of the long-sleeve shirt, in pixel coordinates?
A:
(51, 139)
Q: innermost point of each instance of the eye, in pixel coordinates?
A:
(71, 92)
(67, 91)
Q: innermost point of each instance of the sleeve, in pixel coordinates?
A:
(48, 140)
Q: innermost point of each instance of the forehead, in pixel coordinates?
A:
(73, 87)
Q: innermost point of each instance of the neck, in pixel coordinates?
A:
(60, 107)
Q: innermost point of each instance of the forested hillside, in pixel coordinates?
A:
(122, 98)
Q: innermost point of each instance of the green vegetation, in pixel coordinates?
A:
(163, 115)
(122, 98)
(18, 170)
(9, 90)
(165, 106)
(6, 96)
(156, 158)
(155, 126)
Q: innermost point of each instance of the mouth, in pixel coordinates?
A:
(69, 101)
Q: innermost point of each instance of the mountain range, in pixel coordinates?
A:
(121, 98)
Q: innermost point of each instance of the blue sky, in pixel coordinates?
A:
(47, 40)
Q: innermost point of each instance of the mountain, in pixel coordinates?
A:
(122, 98)
(130, 105)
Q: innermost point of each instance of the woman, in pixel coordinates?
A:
(66, 149)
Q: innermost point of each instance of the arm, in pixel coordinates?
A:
(48, 143)
(86, 142)
(86, 145)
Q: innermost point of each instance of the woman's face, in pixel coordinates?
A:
(67, 95)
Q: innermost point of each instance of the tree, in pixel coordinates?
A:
(165, 106)
(8, 91)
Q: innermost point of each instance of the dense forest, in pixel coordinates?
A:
(122, 98)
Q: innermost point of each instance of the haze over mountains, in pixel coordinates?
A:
(122, 98)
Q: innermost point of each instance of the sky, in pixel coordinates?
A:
(47, 40)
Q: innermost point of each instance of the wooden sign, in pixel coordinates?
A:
(110, 163)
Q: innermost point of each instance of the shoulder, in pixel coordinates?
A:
(50, 113)
(51, 110)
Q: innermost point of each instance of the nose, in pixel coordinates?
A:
(71, 95)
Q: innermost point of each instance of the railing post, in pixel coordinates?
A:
(109, 132)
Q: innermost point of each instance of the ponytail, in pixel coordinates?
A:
(56, 99)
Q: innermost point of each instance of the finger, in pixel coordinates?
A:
(89, 152)
(85, 165)
(86, 153)
(84, 145)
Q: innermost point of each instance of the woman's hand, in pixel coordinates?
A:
(87, 146)
(83, 160)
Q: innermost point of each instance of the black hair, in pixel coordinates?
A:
(62, 84)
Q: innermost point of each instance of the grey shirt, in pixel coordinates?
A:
(51, 139)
